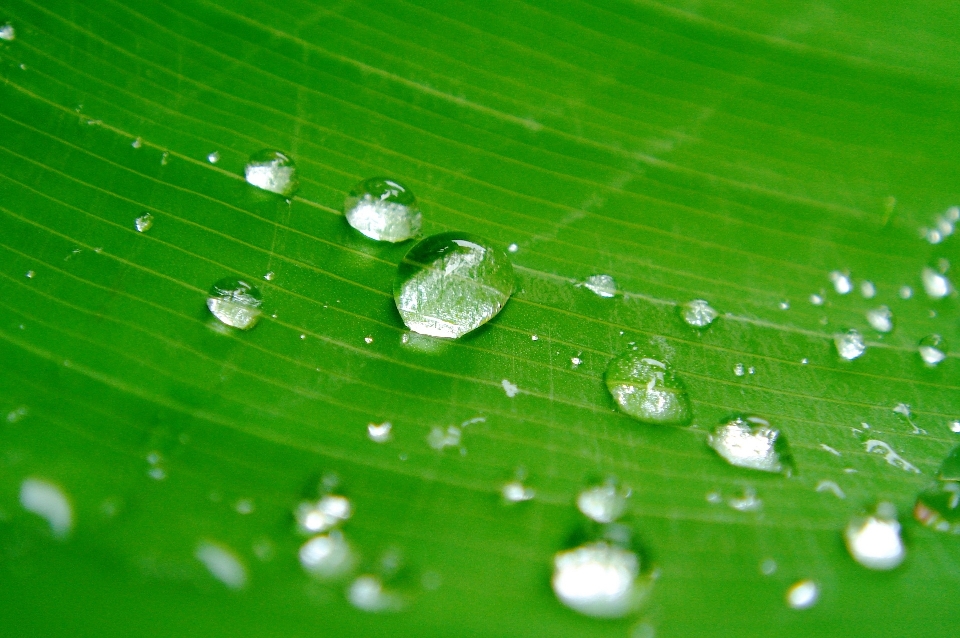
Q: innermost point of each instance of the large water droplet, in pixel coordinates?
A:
(383, 209)
(850, 344)
(47, 500)
(599, 579)
(272, 171)
(143, 223)
(752, 443)
(602, 503)
(874, 541)
(314, 517)
(647, 389)
(698, 313)
(452, 283)
(880, 319)
(601, 285)
(932, 349)
(235, 303)
(936, 285)
(327, 556)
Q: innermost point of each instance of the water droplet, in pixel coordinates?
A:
(874, 541)
(15, 415)
(29, 274)
(383, 209)
(830, 486)
(222, 564)
(816, 300)
(752, 443)
(269, 275)
(905, 292)
(714, 498)
(955, 426)
(534, 338)
(8, 33)
(235, 302)
(784, 305)
(143, 223)
(575, 362)
(164, 158)
(698, 313)
(599, 579)
(602, 503)
(517, 492)
(368, 339)
(327, 556)
(868, 290)
(879, 447)
(272, 171)
(601, 285)
(803, 594)
(647, 389)
(768, 566)
(47, 500)
(512, 248)
(937, 286)
(214, 157)
(315, 517)
(137, 143)
(850, 344)
(950, 468)
(368, 594)
(440, 438)
(380, 433)
(244, 506)
(450, 284)
(510, 389)
(933, 349)
(841, 282)
(880, 319)
(938, 507)
(739, 370)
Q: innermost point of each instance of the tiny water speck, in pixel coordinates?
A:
(222, 564)
(235, 303)
(512, 248)
(510, 389)
(803, 594)
(534, 338)
(272, 171)
(213, 157)
(15, 415)
(46, 500)
(517, 492)
(450, 284)
(751, 442)
(327, 556)
(746, 503)
(598, 579)
(841, 282)
(880, 319)
(698, 313)
(868, 290)
(874, 541)
(315, 517)
(383, 209)
(850, 344)
(380, 433)
(932, 349)
(143, 223)
(936, 286)
(8, 33)
(601, 285)
(647, 389)
(575, 362)
(602, 503)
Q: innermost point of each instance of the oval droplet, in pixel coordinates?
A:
(850, 344)
(235, 302)
(880, 319)
(272, 171)
(752, 443)
(803, 594)
(647, 389)
(452, 283)
(383, 209)
(874, 541)
(937, 286)
(932, 349)
(599, 579)
(698, 313)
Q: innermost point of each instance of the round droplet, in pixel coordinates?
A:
(272, 171)
(850, 344)
(647, 389)
(932, 349)
(599, 579)
(937, 286)
(143, 223)
(452, 283)
(601, 285)
(235, 303)
(905, 292)
(214, 157)
(874, 541)
(803, 594)
(698, 313)
(383, 209)
(752, 443)
(327, 556)
(602, 503)
(880, 319)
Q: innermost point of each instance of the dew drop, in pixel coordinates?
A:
(517, 492)
(602, 503)
(803, 594)
(816, 300)
(932, 349)
(8, 33)
(143, 223)
(647, 389)
(512, 248)
(768, 566)
(327, 556)
(698, 313)
(955, 426)
(841, 282)
(244, 506)
(868, 290)
(850, 344)
(937, 286)
(784, 305)
(316, 517)
(136, 143)
(47, 500)
(367, 593)
(905, 292)
(272, 171)
(739, 370)
(575, 362)
(29, 274)
(452, 283)
(601, 285)
(269, 275)
(746, 503)
(880, 319)
(380, 433)
(510, 389)
(235, 303)
(599, 579)
(752, 443)
(214, 157)
(222, 564)
(383, 209)
(874, 541)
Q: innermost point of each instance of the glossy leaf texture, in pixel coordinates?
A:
(735, 152)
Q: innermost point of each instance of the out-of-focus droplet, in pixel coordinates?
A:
(868, 290)
(816, 300)
(938, 507)
(48, 501)
(937, 286)
(235, 302)
(315, 517)
(803, 594)
(647, 389)
(602, 503)
(222, 564)
(327, 556)
(601, 285)
(380, 433)
(512, 248)
(874, 541)
(850, 344)
(698, 313)
(599, 579)
(905, 292)
(383, 209)
(841, 282)
(367, 593)
(213, 157)
(517, 492)
(136, 143)
(880, 319)
(752, 443)
(272, 171)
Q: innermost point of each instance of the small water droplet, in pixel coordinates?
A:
(868, 290)
(880, 319)
(739, 370)
(368, 339)
(440, 438)
(874, 540)
(272, 171)
(157, 473)
(380, 433)
(29, 274)
(534, 337)
(752, 443)
(383, 209)
(315, 517)
(955, 426)
(143, 223)
(214, 157)
(937, 286)
(8, 33)
(164, 158)
(244, 506)
(698, 313)
(841, 282)
(602, 503)
(714, 498)
(768, 566)
(784, 305)
(905, 292)
(827, 448)
(850, 344)
(452, 283)
(803, 594)
(367, 593)
(512, 248)
(647, 389)
(222, 564)
(601, 285)
(235, 303)
(269, 275)
(327, 556)
(48, 501)
(137, 143)
(816, 300)
(932, 349)
(17, 414)
(599, 579)
(575, 362)
(517, 492)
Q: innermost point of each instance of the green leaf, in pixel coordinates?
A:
(736, 152)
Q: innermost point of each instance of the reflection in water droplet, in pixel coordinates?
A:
(47, 500)
(383, 209)
(937, 286)
(222, 564)
(450, 284)
(841, 282)
(803, 594)
(602, 503)
(214, 157)
(516, 492)
(752, 443)
(599, 579)
(368, 594)
(647, 389)
(698, 313)
(272, 171)
(143, 223)
(955, 426)
(850, 344)
(874, 541)
(933, 349)
(880, 319)
(315, 517)
(29, 274)
(784, 305)
(8, 33)
(601, 285)
(868, 290)
(235, 302)
(379, 433)
(327, 556)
